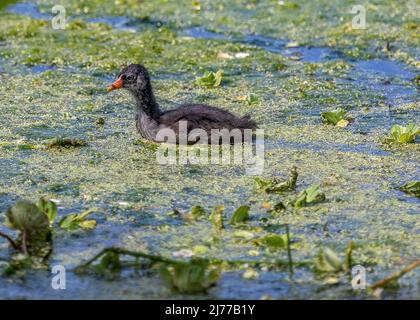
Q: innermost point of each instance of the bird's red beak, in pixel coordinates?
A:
(116, 85)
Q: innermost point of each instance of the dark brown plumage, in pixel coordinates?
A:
(151, 120)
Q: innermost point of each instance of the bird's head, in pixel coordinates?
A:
(134, 78)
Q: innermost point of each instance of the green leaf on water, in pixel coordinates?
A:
(311, 195)
(211, 79)
(110, 262)
(216, 217)
(333, 117)
(49, 208)
(200, 249)
(198, 211)
(412, 187)
(252, 99)
(75, 221)
(194, 277)
(33, 226)
(243, 234)
(25, 215)
(328, 261)
(314, 194)
(240, 215)
(401, 135)
(276, 241)
(277, 185)
(273, 241)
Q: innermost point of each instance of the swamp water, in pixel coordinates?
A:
(58, 90)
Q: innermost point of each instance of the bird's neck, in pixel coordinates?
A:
(147, 105)
(148, 113)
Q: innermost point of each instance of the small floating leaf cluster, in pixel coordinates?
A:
(338, 118)
(65, 143)
(276, 185)
(211, 79)
(310, 195)
(78, 220)
(401, 135)
(412, 187)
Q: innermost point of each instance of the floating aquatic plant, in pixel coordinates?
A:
(328, 261)
(310, 195)
(110, 262)
(198, 212)
(216, 217)
(75, 221)
(211, 79)
(337, 118)
(64, 143)
(196, 276)
(251, 99)
(273, 241)
(240, 215)
(243, 235)
(49, 208)
(417, 80)
(34, 229)
(412, 187)
(401, 135)
(276, 185)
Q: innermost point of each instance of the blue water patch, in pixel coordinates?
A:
(384, 68)
(42, 68)
(202, 33)
(28, 9)
(119, 22)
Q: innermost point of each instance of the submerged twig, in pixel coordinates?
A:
(396, 275)
(289, 251)
(11, 241)
(24, 243)
(121, 251)
(161, 259)
(348, 261)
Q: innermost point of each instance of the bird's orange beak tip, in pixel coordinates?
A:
(116, 85)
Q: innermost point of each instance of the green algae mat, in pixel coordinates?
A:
(335, 212)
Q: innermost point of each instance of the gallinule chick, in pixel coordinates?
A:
(150, 118)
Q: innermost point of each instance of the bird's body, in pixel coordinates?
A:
(188, 118)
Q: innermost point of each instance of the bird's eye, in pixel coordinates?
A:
(130, 78)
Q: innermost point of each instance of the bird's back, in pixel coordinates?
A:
(200, 116)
